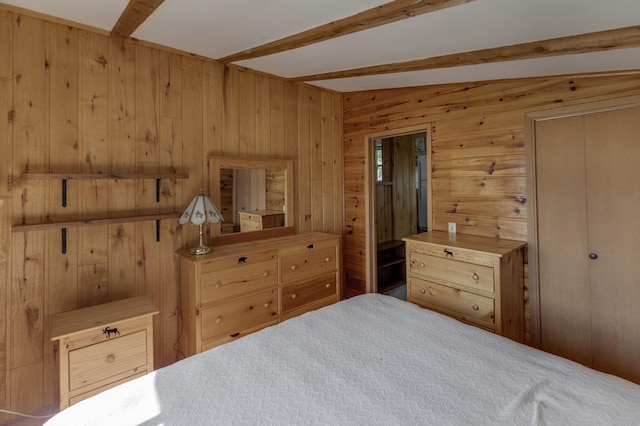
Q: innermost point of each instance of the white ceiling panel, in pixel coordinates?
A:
(217, 28)
(94, 13)
(473, 26)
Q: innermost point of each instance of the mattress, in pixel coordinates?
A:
(371, 359)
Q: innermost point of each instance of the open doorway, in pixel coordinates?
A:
(399, 196)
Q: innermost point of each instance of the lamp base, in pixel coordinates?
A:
(197, 251)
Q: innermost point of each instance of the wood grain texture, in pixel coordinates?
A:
(478, 165)
(136, 12)
(83, 102)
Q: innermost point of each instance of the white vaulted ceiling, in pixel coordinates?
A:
(220, 29)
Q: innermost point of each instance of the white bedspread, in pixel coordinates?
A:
(368, 360)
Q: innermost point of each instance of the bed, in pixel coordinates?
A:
(371, 359)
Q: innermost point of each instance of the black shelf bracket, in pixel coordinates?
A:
(158, 230)
(158, 190)
(64, 193)
(64, 240)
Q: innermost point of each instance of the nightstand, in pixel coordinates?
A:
(102, 346)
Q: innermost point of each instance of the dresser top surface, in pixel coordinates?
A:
(262, 213)
(265, 244)
(68, 323)
(496, 246)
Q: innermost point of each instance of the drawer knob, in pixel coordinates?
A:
(423, 291)
(422, 265)
(111, 358)
(328, 285)
(266, 274)
(217, 285)
(328, 259)
(476, 277)
(266, 305)
(293, 296)
(218, 320)
(475, 307)
(293, 267)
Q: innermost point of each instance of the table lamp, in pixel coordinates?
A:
(201, 210)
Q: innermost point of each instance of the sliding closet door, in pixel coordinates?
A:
(564, 293)
(612, 141)
(587, 204)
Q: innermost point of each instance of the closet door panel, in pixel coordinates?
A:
(612, 146)
(562, 240)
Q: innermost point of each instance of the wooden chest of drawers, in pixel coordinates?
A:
(102, 346)
(260, 219)
(241, 288)
(475, 279)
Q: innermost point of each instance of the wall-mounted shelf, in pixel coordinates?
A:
(92, 176)
(91, 222)
(97, 222)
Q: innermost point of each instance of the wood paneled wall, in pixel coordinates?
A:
(478, 164)
(73, 100)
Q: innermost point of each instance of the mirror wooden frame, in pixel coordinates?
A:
(217, 163)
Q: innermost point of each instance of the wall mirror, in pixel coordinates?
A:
(255, 197)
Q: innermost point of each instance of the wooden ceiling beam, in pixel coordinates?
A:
(136, 12)
(371, 18)
(620, 38)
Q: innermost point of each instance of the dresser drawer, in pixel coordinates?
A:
(246, 224)
(242, 258)
(458, 273)
(240, 314)
(308, 263)
(243, 279)
(117, 356)
(458, 303)
(297, 295)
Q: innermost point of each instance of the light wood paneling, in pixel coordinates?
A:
(80, 101)
(478, 170)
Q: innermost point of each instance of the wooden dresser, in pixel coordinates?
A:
(241, 288)
(102, 346)
(478, 280)
(260, 219)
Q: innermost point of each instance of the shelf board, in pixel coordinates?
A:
(391, 262)
(92, 222)
(112, 176)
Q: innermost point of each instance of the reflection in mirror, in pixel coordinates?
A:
(254, 196)
(258, 203)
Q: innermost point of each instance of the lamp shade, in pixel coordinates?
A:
(201, 210)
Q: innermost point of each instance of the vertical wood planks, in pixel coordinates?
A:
(78, 101)
(94, 153)
(122, 156)
(26, 291)
(303, 221)
(6, 136)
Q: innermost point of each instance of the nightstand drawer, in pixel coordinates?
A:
(298, 295)
(102, 346)
(238, 315)
(308, 263)
(450, 271)
(124, 355)
(458, 303)
(244, 279)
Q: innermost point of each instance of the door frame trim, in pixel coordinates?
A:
(370, 195)
(530, 120)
